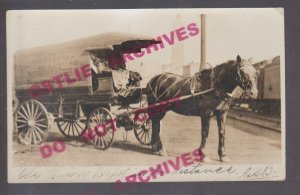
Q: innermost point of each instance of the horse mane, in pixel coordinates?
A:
(176, 74)
(206, 73)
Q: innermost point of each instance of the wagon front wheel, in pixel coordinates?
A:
(101, 128)
(143, 130)
(31, 121)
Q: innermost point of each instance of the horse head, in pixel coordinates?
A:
(247, 77)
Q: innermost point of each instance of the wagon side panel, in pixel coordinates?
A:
(34, 66)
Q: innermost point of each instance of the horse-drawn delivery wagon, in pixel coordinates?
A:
(64, 80)
(81, 81)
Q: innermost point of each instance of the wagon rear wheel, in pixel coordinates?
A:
(143, 131)
(71, 128)
(31, 121)
(101, 128)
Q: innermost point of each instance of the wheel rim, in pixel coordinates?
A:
(32, 123)
(100, 139)
(71, 128)
(144, 131)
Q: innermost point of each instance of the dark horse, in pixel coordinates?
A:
(223, 78)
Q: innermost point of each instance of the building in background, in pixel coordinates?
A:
(177, 65)
(177, 53)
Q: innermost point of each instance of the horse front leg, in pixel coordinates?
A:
(221, 120)
(205, 122)
(157, 146)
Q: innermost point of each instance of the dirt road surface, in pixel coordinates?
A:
(244, 144)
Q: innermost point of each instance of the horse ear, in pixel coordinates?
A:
(257, 73)
(250, 60)
(92, 56)
(238, 59)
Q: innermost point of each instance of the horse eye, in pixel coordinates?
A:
(245, 77)
(249, 85)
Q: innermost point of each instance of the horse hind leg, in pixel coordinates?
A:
(155, 135)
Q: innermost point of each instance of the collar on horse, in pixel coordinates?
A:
(196, 79)
(224, 97)
(197, 76)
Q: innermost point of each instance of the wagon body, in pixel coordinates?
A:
(38, 64)
(73, 105)
(33, 66)
(41, 66)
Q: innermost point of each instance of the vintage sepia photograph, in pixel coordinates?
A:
(146, 95)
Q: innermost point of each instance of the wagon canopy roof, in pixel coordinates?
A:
(124, 42)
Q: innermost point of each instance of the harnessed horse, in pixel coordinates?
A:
(218, 83)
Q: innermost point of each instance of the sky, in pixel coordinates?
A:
(257, 33)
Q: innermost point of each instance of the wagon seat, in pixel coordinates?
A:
(126, 83)
(109, 72)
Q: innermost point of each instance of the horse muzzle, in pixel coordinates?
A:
(252, 93)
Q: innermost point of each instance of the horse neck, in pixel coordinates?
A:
(225, 77)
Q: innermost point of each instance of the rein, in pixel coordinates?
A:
(243, 96)
(239, 79)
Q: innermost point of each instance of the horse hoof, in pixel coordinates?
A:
(154, 148)
(206, 159)
(161, 152)
(224, 159)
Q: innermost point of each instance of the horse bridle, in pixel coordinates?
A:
(245, 85)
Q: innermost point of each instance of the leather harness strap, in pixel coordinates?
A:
(198, 74)
(212, 75)
(222, 96)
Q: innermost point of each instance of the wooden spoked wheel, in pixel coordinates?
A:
(101, 128)
(143, 131)
(72, 128)
(31, 121)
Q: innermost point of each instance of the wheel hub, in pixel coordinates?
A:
(31, 123)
